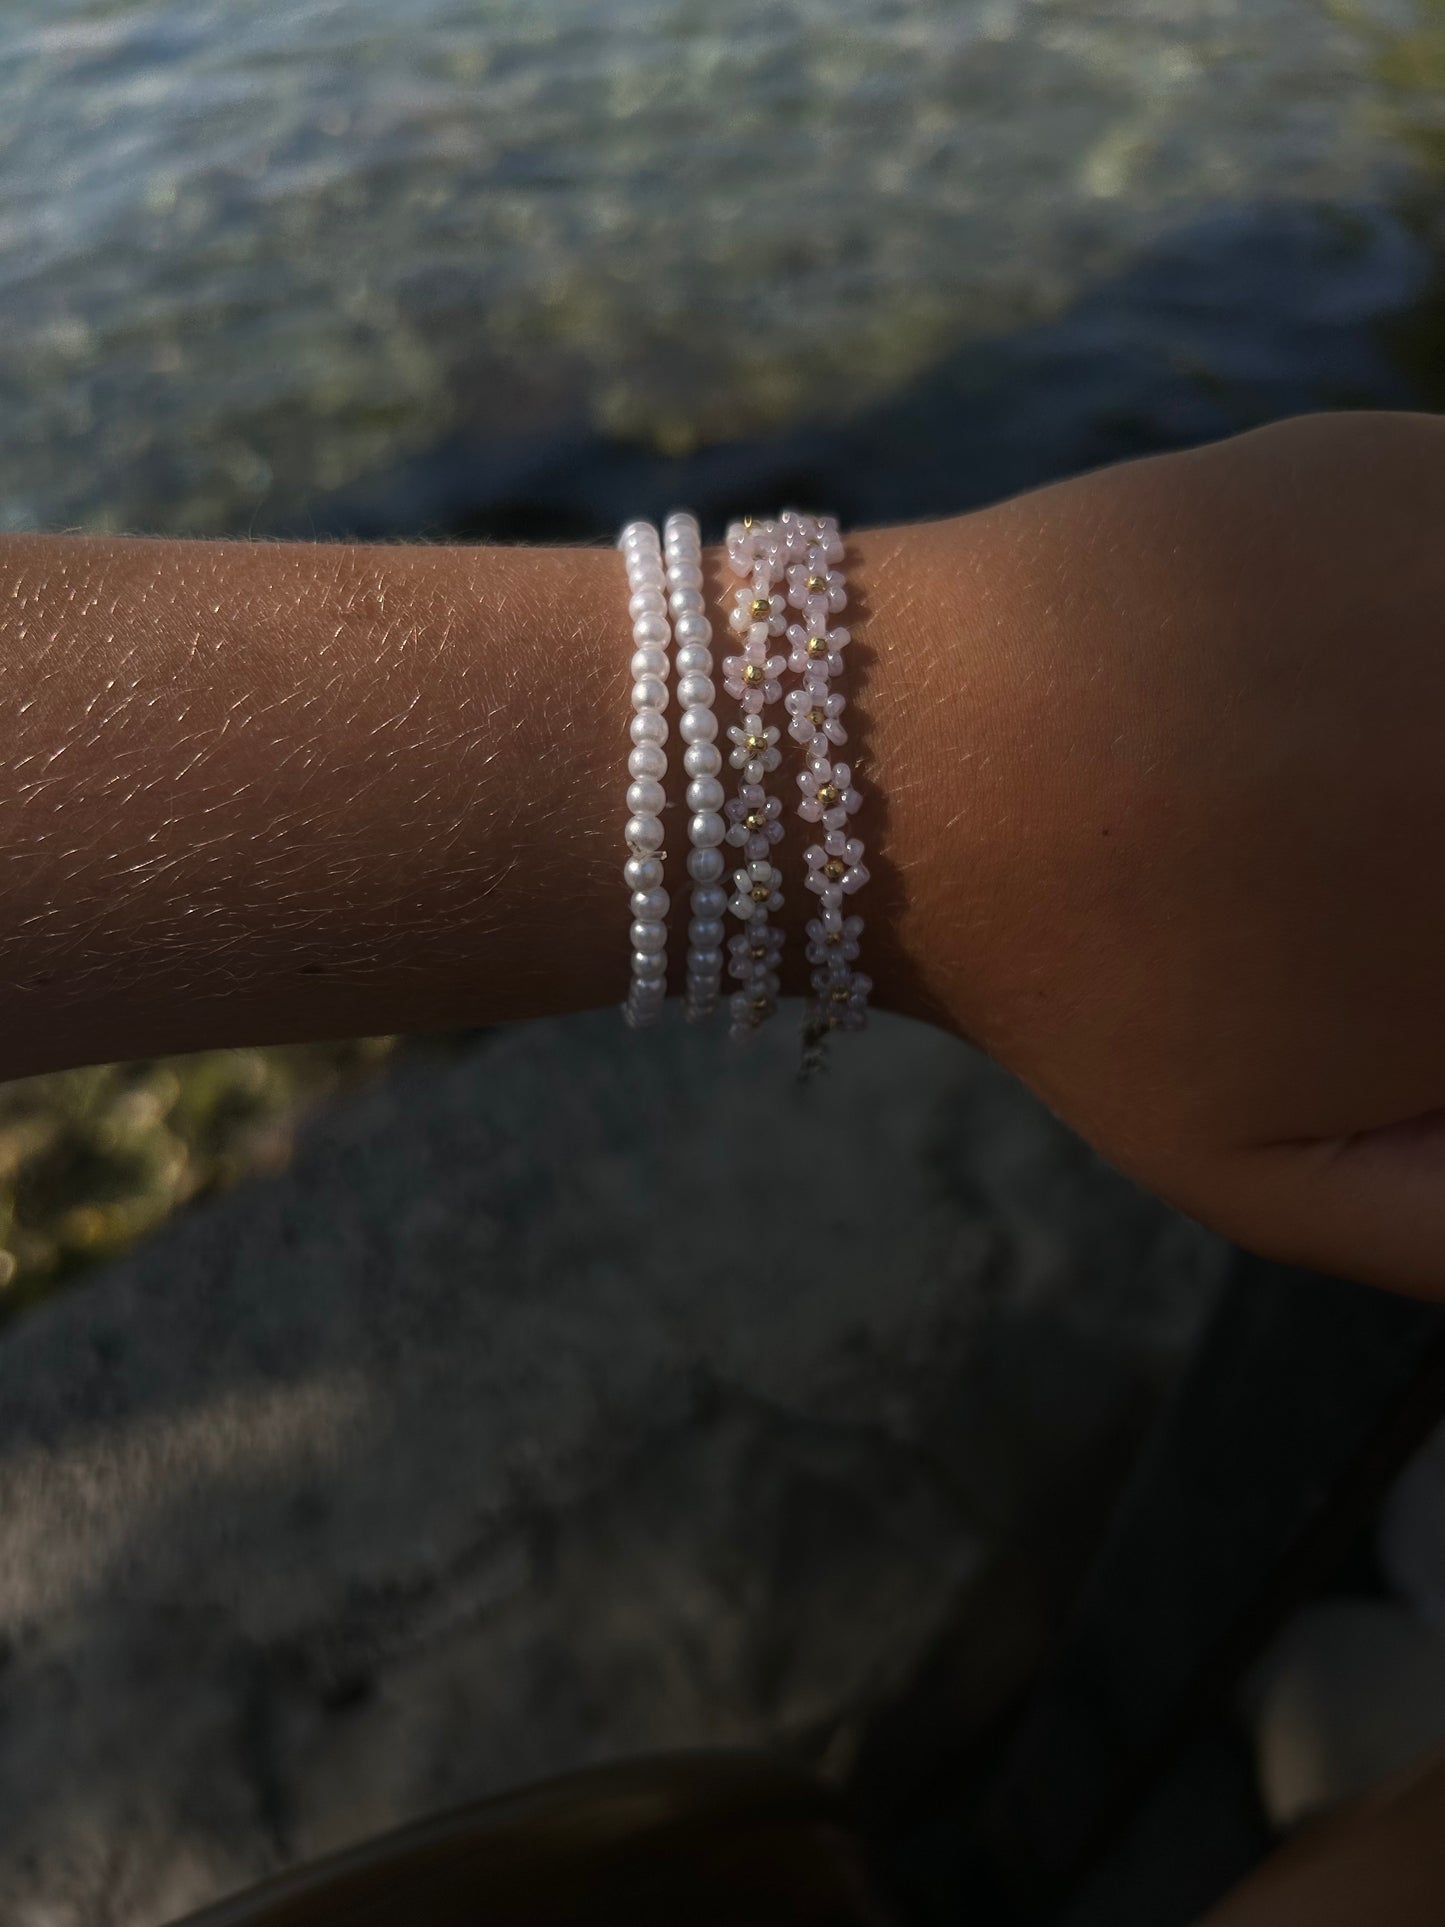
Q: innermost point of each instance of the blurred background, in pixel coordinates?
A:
(520, 269)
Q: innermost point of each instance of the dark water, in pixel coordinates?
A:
(525, 266)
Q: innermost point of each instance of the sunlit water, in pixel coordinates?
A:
(262, 261)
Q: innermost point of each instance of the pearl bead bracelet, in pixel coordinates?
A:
(702, 760)
(792, 566)
(647, 773)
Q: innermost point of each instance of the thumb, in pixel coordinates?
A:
(1370, 1206)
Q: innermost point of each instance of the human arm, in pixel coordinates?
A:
(1159, 808)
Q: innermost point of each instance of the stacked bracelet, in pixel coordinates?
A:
(752, 678)
(682, 544)
(792, 564)
(647, 772)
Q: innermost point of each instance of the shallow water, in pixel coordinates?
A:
(391, 264)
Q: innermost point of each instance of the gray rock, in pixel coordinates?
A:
(1412, 1533)
(472, 1449)
(1352, 1694)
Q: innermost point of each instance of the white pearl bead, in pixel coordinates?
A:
(648, 934)
(705, 866)
(693, 629)
(695, 692)
(649, 964)
(702, 759)
(706, 962)
(684, 575)
(644, 834)
(647, 602)
(648, 661)
(651, 905)
(648, 759)
(697, 726)
(646, 797)
(709, 900)
(693, 659)
(705, 933)
(650, 629)
(648, 728)
(686, 602)
(636, 532)
(704, 793)
(706, 830)
(649, 692)
(645, 873)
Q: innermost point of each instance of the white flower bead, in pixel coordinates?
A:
(756, 889)
(816, 651)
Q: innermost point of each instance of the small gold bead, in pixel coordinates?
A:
(835, 869)
(747, 521)
(755, 819)
(753, 674)
(817, 716)
(829, 794)
(762, 608)
(755, 742)
(760, 892)
(817, 583)
(758, 1002)
(832, 936)
(816, 647)
(839, 994)
(758, 951)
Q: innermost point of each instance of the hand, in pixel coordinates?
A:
(1190, 753)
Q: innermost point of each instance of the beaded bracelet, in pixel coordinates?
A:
(702, 759)
(755, 826)
(647, 772)
(835, 866)
(793, 562)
